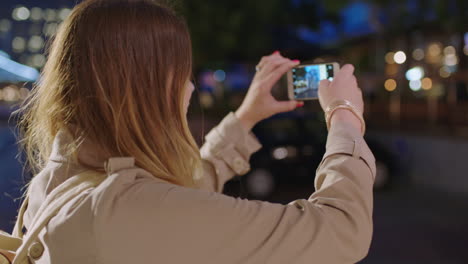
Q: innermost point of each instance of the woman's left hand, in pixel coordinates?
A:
(259, 103)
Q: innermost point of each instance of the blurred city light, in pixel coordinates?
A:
(416, 73)
(415, 85)
(444, 72)
(426, 83)
(23, 93)
(451, 60)
(400, 57)
(418, 54)
(5, 25)
(434, 52)
(280, 153)
(50, 15)
(64, 13)
(260, 182)
(434, 49)
(35, 43)
(36, 14)
(389, 57)
(390, 85)
(38, 60)
(449, 50)
(206, 99)
(18, 44)
(10, 93)
(50, 29)
(219, 75)
(20, 13)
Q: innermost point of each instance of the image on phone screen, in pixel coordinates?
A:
(306, 79)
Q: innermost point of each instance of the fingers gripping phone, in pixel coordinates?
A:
(304, 80)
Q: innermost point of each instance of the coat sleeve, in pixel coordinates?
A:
(174, 224)
(226, 153)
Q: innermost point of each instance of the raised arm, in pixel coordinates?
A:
(226, 153)
(229, 146)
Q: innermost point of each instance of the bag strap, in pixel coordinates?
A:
(60, 196)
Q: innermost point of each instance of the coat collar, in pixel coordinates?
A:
(88, 153)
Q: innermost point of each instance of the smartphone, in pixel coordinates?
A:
(303, 80)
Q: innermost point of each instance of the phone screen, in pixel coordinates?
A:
(306, 79)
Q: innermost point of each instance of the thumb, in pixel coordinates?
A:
(324, 84)
(286, 106)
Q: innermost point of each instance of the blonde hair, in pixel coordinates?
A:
(117, 71)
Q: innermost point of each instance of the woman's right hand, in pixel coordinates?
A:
(343, 87)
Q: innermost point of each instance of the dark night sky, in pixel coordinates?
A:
(9, 4)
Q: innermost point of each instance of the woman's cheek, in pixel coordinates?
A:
(188, 95)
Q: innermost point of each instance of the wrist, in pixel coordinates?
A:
(346, 116)
(246, 122)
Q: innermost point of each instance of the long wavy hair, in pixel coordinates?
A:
(117, 71)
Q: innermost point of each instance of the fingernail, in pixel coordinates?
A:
(276, 52)
(296, 61)
(300, 104)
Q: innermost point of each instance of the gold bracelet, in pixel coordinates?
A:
(344, 104)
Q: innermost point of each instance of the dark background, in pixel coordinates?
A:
(411, 62)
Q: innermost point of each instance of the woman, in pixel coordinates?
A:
(113, 99)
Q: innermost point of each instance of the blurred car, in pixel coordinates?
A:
(293, 147)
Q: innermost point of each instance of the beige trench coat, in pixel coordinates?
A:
(133, 217)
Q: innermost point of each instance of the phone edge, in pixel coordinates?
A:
(290, 86)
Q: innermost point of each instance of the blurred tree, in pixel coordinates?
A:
(244, 30)
(241, 30)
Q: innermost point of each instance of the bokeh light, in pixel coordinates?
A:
(390, 85)
(23, 93)
(11, 93)
(415, 85)
(418, 54)
(38, 60)
(400, 57)
(426, 83)
(280, 153)
(434, 49)
(21, 13)
(18, 44)
(219, 75)
(449, 50)
(50, 15)
(415, 73)
(206, 99)
(35, 43)
(50, 29)
(36, 14)
(444, 72)
(451, 60)
(64, 13)
(389, 57)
